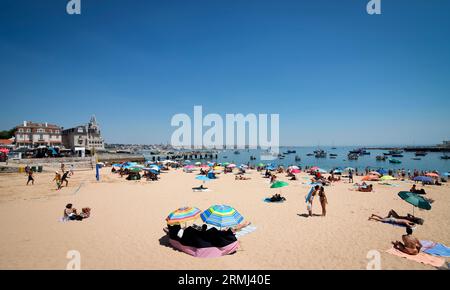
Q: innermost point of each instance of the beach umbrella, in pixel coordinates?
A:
(183, 215)
(231, 165)
(270, 168)
(320, 170)
(218, 168)
(204, 166)
(222, 216)
(135, 169)
(243, 166)
(386, 177)
(187, 161)
(225, 163)
(202, 178)
(260, 165)
(382, 171)
(210, 164)
(349, 169)
(446, 174)
(432, 174)
(295, 171)
(314, 168)
(279, 184)
(370, 178)
(423, 179)
(415, 200)
(337, 171)
(293, 167)
(198, 163)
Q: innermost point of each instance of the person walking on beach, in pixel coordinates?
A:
(58, 180)
(350, 176)
(71, 170)
(64, 178)
(323, 201)
(30, 177)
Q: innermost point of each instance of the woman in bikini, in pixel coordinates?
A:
(323, 201)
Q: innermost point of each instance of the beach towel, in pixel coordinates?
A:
(244, 231)
(269, 201)
(435, 249)
(308, 196)
(210, 252)
(420, 258)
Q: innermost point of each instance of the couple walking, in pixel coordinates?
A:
(320, 191)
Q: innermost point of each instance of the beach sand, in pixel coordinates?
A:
(125, 228)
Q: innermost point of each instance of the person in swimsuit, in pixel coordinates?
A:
(410, 217)
(323, 201)
(392, 220)
(57, 179)
(64, 178)
(30, 177)
(310, 201)
(411, 245)
(70, 213)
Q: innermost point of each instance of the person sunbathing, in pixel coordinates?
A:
(368, 188)
(411, 245)
(408, 216)
(392, 220)
(70, 212)
(417, 191)
(277, 198)
(241, 177)
(239, 227)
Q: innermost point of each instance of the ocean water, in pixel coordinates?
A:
(430, 162)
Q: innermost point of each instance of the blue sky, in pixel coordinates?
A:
(334, 73)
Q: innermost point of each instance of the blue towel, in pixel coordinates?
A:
(308, 196)
(437, 249)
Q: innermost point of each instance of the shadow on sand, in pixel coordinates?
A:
(305, 215)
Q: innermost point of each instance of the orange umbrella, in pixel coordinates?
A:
(432, 174)
(370, 178)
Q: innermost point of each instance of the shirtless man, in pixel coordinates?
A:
(411, 245)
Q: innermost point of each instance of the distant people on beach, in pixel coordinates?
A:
(417, 191)
(411, 245)
(368, 188)
(30, 177)
(64, 178)
(350, 176)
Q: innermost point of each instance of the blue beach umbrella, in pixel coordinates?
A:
(222, 216)
(424, 179)
(382, 171)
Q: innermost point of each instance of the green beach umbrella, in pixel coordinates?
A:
(279, 184)
(135, 169)
(415, 200)
(260, 164)
(387, 177)
(225, 163)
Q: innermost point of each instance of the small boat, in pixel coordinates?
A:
(309, 154)
(334, 148)
(416, 158)
(395, 161)
(333, 155)
(421, 153)
(297, 158)
(397, 155)
(381, 158)
(320, 154)
(445, 157)
(225, 157)
(352, 156)
(237, 152)
(291, 151)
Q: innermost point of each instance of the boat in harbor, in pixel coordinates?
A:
(395, 161)
(297, 158)
(397, 155)
(309, 154)
(416, 158)
(237, 152)
(445, 157)
(421, 153)
(333, 155)
(320, 153)
(381, 158)
(352, 156)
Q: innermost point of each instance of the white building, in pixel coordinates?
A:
(31, 135)
(84, 137)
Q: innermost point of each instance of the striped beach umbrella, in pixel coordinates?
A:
(222, 216)
(183, 215)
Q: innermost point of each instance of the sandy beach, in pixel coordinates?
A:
(125, 229)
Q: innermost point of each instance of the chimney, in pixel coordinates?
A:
(24, 123)
(46, 124)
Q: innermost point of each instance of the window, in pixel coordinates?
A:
(41, 137)
(40, 131)
(20, 130)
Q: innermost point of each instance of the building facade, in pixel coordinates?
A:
(84, 137)
(31, 135)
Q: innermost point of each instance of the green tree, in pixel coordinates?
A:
(6, 134)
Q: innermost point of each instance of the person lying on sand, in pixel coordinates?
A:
(368, 188)
(240, 177)
(411, 245)
(201, 187)
(70, 212)
(417, 191)
(408, 217)
(277, 197)
(392, 220)
(239, 227)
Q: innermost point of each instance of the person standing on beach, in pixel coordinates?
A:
(323, 201)
(62, 167)
(310, 198)
(30, 177)
(350, 176)
(71, 170)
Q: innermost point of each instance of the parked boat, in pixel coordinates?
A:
(237, 152)
(333, 155)
(395, 161)
(416, 158)
(297, 158)
(397, 155)
(421, 153)
(352, 156)
(445, 157)
(381, 158)
(320, 154)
